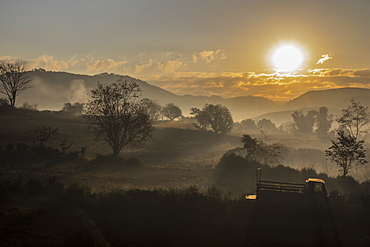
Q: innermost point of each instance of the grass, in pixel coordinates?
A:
(157, 195)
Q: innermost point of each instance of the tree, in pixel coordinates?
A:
(218, 117)
(248, 125)
(323, 122)
(153, 109)
(117, 114)
(250, 144)
(261, 149)
(346, 152)
(76, 108)
(266, 125)
(305, 123)
(171, 111)
(353, 118)
(14, 79)
(42, 134)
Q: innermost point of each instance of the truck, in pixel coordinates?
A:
(313, 190)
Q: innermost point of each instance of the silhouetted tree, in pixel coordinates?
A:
(261, 150)
(266, 125)
(171, 111)
(346, 152)
(248, 125)
(218, 117)
(76, 108)
(42, 134)
(14, 79)
(354, 118)
(117, 114)
(153, 109)
(250, 144)
(305, 123)
(323, 122)
(65, 145)
(28, 106)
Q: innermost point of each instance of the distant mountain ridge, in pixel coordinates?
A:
(50, 90)
(334, 99)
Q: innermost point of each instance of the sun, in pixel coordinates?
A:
(287, 58)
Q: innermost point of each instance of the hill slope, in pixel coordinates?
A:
(50, 90)
(331, 98)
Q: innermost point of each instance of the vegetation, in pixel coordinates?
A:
(116, 113)
(76, 108)
(154, 110)
(184, 190)
(217, 117)
(354, 118)
(14, 79)
(42, 134)
(346, 152)
(171, 111)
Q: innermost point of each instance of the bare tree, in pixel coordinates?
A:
(14, 79)
(42, 134)
(116, 114)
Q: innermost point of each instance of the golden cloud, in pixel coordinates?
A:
(268, 85)
(106, 65)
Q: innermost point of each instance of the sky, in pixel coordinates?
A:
(197, 47)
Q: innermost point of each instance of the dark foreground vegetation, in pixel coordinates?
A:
(42, 211)
(174, 192)
(49, 214)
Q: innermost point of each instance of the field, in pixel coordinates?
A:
(170, 192)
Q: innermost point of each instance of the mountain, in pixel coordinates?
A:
(50, 90)
(334, 99)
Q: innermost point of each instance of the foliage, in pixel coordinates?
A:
(305, 123)
(250, 144)
(154, 110)
(354, 118)
(171, 111)
(14, 79)
(116, 113)
(28, 106)
(246, 125)
(346, 152)
(218, 117)
(266, 125)
(76, 108)
(43, 133)
(323, 121)
(261, 150)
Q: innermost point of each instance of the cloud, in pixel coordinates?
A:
(268, 85)
(49, 63)
(106, 65)
(209, 56)
(153, 65)
(324, 58)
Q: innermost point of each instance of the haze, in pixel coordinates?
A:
(194, 47)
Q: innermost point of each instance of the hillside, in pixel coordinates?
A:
(331, 98)
(334, 99)
(50, 90)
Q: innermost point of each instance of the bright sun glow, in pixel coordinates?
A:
(287, 58)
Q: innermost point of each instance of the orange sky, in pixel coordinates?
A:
(194, 47)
